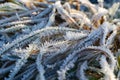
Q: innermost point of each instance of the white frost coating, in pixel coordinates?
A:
(108, 72)
(54, 46)
(67, 65)
(61, 75)
(13, 28)
(65, 68)
(74, 35)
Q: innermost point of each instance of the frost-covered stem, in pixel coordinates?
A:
(67, 7)
(107, 52)
(27, 71)
(9, 6)
(27, 75)
(75, 55)
(15, 17)
(60, 47)
(42, 32)
(114, 9)
(82, 72)
(51, 18)
(14, 28)
(108, 72)
(105, 33)
(45, 12)
(93, 36)
(65, 67)
(89, 5)
(87, 42)
(22, 26)
(5, 70)
(10, 13)
(65, 15)
(23, 22)
(75, 35)
(18, 66)
(40, 67)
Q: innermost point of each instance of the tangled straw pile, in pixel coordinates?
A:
(58, 40)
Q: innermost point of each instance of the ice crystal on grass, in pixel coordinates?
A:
(50, 40)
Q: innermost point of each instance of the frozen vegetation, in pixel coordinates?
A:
(59, 40)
